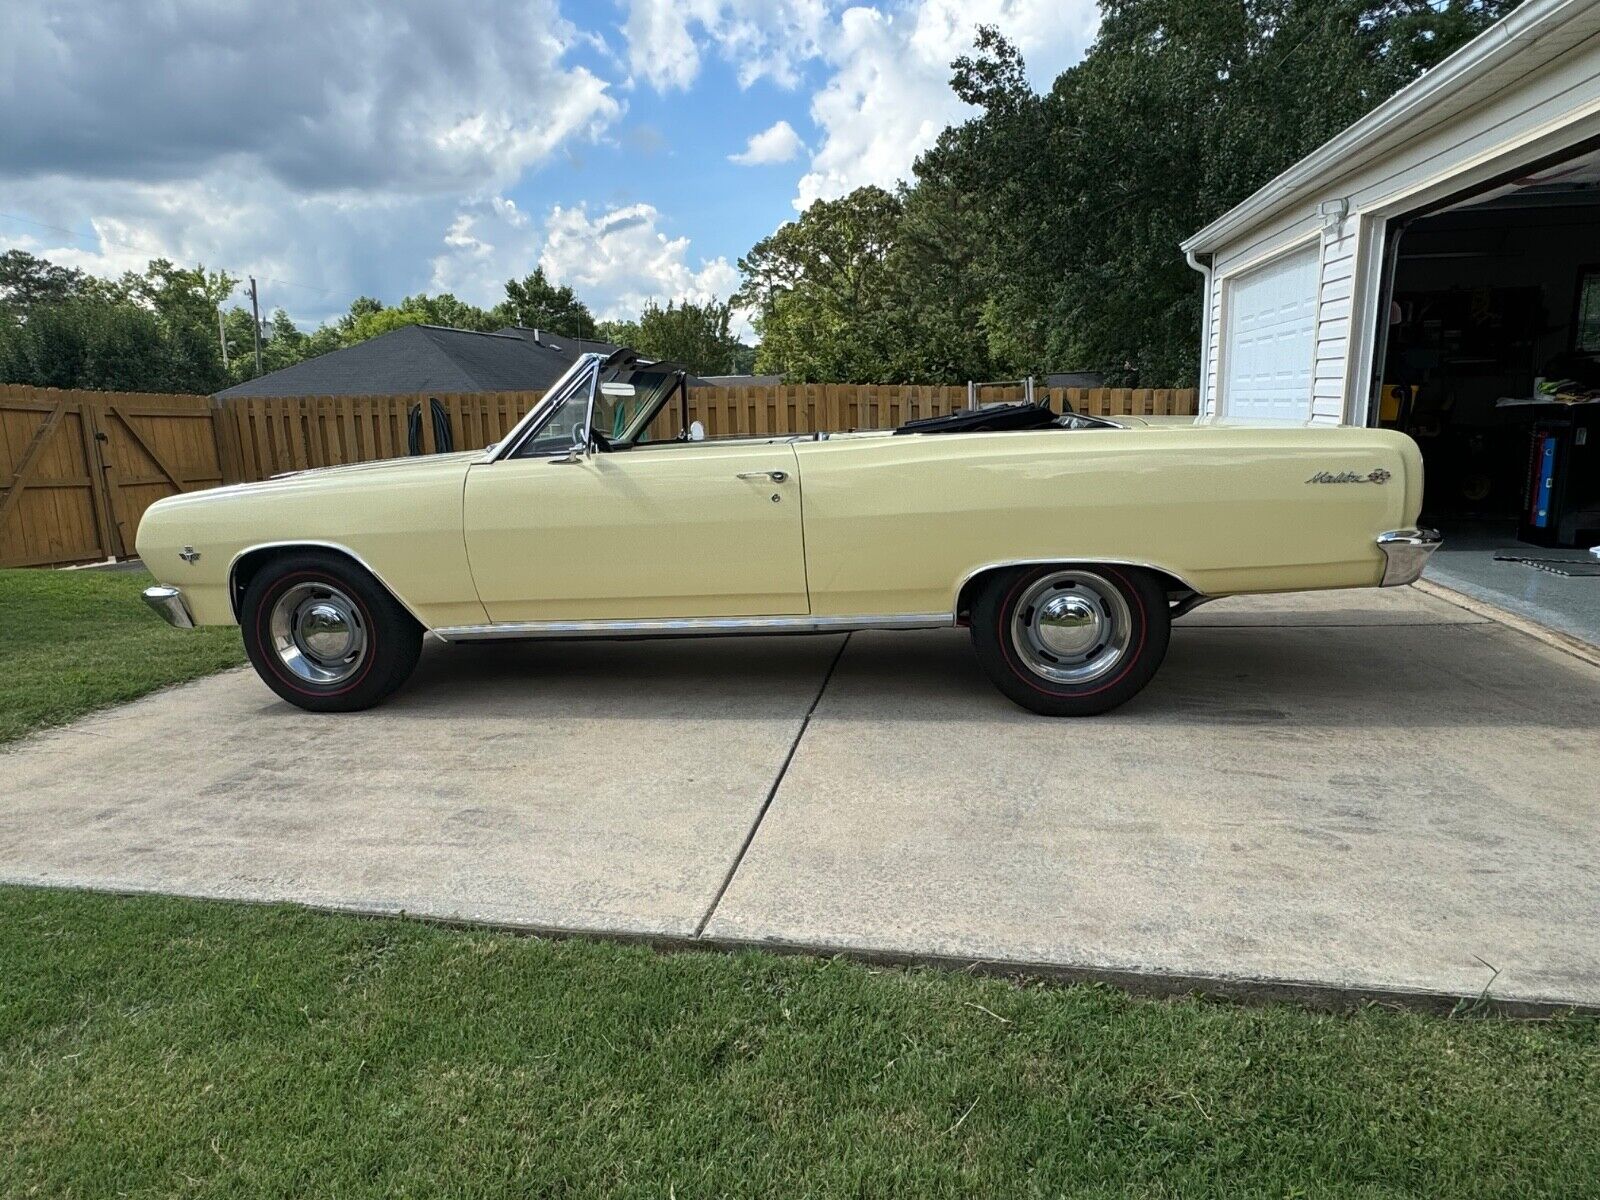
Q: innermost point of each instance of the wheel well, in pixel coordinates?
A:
(249, 565)
(1176, 589)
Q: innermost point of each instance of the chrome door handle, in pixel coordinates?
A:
(775, 476)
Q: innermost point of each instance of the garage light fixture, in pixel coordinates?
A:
(1333, 212)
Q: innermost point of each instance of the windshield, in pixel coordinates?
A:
(560, 420)
(631, 418)
(607, 402)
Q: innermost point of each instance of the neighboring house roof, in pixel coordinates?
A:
(570, 346)
(741, 380)
(1075, 379)
(1508, 50)
(426, 358)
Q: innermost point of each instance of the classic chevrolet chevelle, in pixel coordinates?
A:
(1065, 543)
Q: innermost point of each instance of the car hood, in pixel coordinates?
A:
(390, 465)
(379, 473)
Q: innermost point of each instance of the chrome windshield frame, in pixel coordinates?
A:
(584, 372)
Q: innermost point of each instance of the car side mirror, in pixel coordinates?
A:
(697, 431)
(577, 452)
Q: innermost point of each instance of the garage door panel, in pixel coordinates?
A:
(1270, 340)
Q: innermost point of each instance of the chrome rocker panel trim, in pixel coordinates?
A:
(168, 603)
(689, 626)
(1405, 553)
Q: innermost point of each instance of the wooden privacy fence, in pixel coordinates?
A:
(262, 437)
(78, 469)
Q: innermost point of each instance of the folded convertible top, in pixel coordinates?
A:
(984, 420)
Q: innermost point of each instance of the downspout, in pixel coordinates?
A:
(1204, 380)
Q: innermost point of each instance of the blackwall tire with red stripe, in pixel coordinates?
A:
(1071, 640)
(325, 635)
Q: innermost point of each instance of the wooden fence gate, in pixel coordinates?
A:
(79, 468)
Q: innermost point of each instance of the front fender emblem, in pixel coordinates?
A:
(189, 554)
(1378, 475)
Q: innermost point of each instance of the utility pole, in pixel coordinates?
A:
(255, 313)
(222, 336)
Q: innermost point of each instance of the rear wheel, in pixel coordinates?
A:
(1071, 641)
(324, 635)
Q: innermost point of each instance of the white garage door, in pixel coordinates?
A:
(1271, 336)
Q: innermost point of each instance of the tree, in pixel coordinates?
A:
(696, 336)
(27, 280)
(1043, 233)
(148, 331)
(96, 343)
(821, 291)
(533, 302)
(1078, 198)
(368, 318)
(185, 302)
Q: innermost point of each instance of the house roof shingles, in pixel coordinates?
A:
(426, 358)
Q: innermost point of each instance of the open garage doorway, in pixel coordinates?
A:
(1491, 361)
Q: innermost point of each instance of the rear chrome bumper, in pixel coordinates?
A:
(168, 601)
(1405, 553)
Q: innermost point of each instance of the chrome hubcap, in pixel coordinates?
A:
(1071, 627)
(318, 633)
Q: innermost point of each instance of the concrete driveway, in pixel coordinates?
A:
(1375, 791)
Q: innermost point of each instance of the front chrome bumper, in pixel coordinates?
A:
(1405, 553)
(168, 601)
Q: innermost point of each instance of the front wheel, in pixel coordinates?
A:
(325, 635)
(1071, 641)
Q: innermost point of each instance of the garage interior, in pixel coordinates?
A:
(1492, 363)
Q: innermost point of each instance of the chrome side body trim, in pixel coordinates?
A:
(1405, 553)
(168, 603)
(311, 543)
(1064, 561)
(690, 626)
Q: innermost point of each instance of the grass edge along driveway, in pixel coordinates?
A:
(75, 641)
(157, 1046)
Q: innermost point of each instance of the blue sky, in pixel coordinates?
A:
(633, 148)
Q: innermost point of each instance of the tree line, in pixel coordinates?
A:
(1040, 235)
(165, 329)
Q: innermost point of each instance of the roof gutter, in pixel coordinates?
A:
(1344, 151)
(1203, 380)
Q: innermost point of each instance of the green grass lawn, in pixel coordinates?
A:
(75, 641)
(163, 1047)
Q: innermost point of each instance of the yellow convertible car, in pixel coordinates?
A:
(1066, 543)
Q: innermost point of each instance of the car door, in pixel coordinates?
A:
(691, 529)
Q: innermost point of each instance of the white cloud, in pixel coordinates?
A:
(329, 149)
(889, 95)
(488, 242)
(619, 261)
(777, 144)
(311, 252)
(762, 38)
(409, 95)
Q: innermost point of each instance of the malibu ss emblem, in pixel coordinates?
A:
(1377, 476)
(189, 554)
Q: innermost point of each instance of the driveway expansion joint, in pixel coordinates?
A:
(761, 813)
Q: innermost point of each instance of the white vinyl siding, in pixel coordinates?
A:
(1267, 355)
(1334, 303)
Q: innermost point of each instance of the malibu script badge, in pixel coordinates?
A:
(1377, 476)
